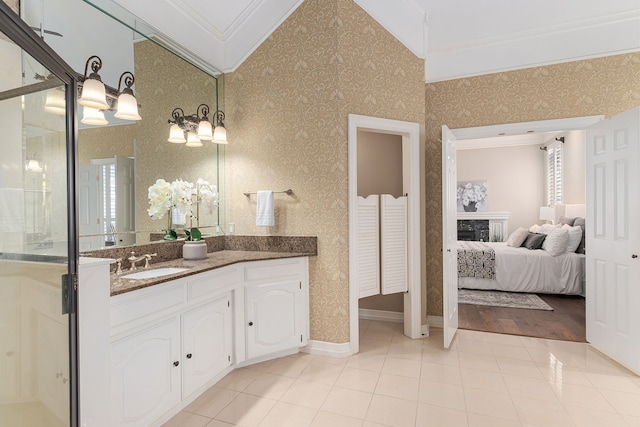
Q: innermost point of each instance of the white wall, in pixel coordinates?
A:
(573, 173)
(515, 180)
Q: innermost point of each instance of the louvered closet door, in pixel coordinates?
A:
(368, 259)
(393, 243)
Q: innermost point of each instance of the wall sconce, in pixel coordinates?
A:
(220, 132)
(197, 126)
(96, 96)
(55, 102)
(33, 165)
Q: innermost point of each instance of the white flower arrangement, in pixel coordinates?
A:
(206, 194)
(159, 199)
(472, 192)
(178, 196)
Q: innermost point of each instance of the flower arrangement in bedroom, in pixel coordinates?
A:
(472, 195)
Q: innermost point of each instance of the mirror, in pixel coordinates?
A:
(121, 160)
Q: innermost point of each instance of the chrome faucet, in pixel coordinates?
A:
(133, 259)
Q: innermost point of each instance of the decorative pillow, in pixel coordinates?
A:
(575, 237)
(556, 242)
(579, 222)
(534, 240)
(544, 228)
(565, 220)
(516, 239)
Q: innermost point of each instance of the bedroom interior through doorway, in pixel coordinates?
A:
(505, 135)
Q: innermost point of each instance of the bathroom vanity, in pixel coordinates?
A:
(150, 346)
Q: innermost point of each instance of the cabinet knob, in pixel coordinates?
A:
(250, 323)
(634, 256)
(189, 356)
(176, 363)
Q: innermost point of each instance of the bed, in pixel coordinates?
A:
(496, 266)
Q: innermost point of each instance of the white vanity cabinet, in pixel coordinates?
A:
(276, 306)
(172, 341)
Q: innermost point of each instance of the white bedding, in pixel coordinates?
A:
(525, 270)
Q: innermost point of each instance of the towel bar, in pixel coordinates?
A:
(288, 192)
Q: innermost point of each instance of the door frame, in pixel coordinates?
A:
(412, 162)
(24, 37)
(521, 128)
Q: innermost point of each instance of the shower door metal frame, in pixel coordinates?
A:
(24, 37)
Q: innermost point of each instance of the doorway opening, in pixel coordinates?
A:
(408, 136)
(474, 138)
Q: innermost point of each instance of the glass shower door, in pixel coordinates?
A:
(35, 368)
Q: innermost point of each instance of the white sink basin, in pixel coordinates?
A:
(158, 272)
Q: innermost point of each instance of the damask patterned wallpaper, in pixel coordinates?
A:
(165, 81)
(99, 142)
(287, 108)
(606, 86)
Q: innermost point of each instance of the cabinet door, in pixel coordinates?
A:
(206, 343)
(274, 317)
(145, 374)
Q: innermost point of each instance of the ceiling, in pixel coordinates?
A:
(458, 38)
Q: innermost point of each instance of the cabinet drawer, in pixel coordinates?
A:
(136, 305)
(210, 283)
(261, 271)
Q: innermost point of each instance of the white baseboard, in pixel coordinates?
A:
(435, 321)
(381, 315)
(325, 348)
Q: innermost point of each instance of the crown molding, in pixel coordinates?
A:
(572, 41)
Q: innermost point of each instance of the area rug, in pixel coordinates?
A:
(502, 299)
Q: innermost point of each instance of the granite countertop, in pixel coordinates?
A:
(120, 285)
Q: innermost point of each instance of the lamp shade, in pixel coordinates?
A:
(176, 135)
(93, 116)
(551, 213)
(193, 141)
(205, 130)
(220, 135)
(93, 94)
(127, 107)
(55, 103)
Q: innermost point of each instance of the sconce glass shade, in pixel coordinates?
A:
(93, 94)
(193, 141)
(127, 107)
(92, 116)
(55, 103)
(220, 135)
(34, 166)
(205, 130)
(176, 135)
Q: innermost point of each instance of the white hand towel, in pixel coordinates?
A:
(11, 210)
(264, 210)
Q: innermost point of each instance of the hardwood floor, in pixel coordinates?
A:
(565, 322)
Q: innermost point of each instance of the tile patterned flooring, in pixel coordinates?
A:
(485, 379)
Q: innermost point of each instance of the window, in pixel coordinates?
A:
(554, 173)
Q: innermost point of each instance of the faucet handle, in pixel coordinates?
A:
(119, 266)
(147, 257)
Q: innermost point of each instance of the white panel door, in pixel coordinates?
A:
(206, 343)
(613, 237)
(368, 246)
(88, 207)
(393, 244)
(125, 200)
(449, 237)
